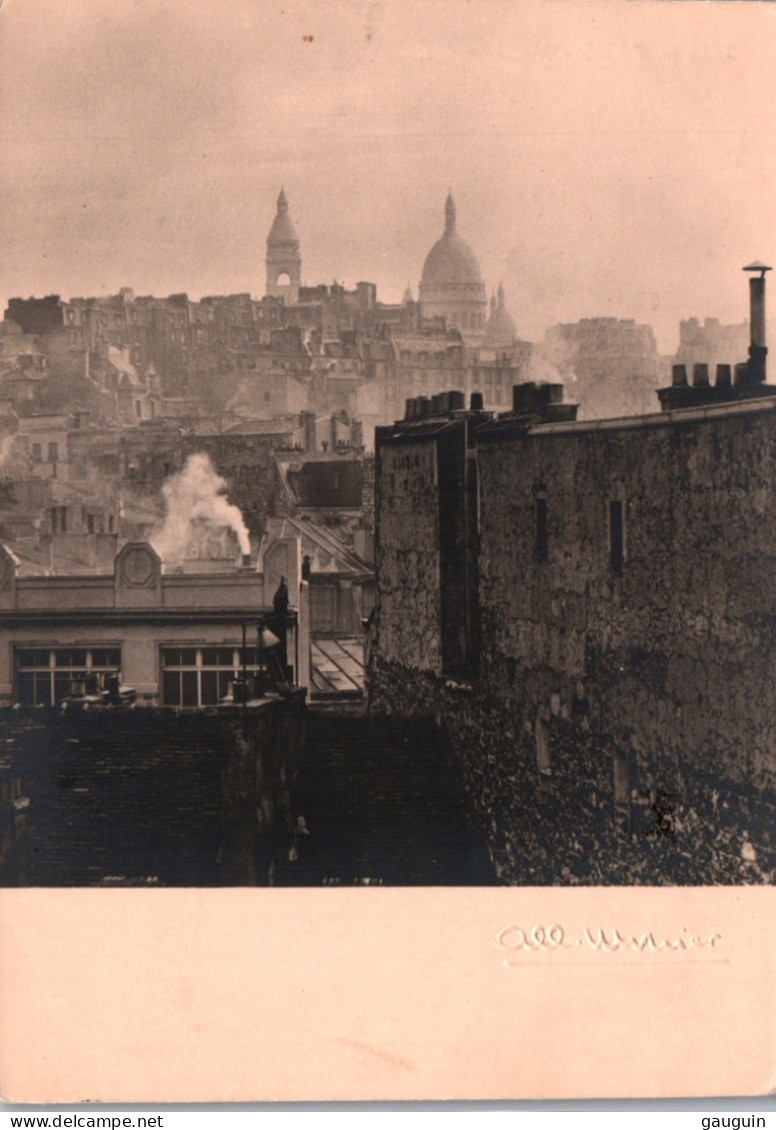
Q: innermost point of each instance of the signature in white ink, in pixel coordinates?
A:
(516, 939)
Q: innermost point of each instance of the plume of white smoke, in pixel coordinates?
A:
(195, 493)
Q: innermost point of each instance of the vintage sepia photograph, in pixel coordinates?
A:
(457, 569)
(388, 461)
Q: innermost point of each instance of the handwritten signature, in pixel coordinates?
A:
(542, 938)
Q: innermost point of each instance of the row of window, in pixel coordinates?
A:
(191, 676)
(53, 452)
(58, 520)
(467, 321)
(616, 532)
(44, 676)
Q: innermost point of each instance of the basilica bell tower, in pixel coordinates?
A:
(284, 260)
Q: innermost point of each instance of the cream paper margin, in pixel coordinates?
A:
(393, 994)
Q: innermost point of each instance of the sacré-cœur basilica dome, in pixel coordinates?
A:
(452, 285)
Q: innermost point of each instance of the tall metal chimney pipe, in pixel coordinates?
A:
(758, 347)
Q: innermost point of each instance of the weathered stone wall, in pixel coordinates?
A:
(407, 507)
(646, 692)
(673, 660)
(566, 827)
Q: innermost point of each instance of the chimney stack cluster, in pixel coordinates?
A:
(442, 404)
(745, 380)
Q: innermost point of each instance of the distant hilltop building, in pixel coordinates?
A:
(712, 342)
(500, 330)
(613, 362)
(452, 286)
(284, 259)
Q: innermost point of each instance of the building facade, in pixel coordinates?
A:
(178, 639)
(612, 365)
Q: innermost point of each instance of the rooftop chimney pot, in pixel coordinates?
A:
(700, 375)
(741, 373)
(678, 376)
(758, 339)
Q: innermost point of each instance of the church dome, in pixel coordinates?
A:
(282, 230)
(500, 328)
(451, 286)
(451, 260)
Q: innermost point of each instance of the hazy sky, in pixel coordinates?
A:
(607, 158)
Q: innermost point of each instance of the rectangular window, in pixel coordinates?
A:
(37, 452)
(45, 676)
(542, 540)
(196, 677)
(53, 452)
(543, 750)
(616, 536)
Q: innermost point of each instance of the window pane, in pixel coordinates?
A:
(179, 657)
(26, 692)
(106, 657)
(217, 656)
(70, 657)
(43, 691)
(209, 688)
(189, 688)
(171, 688)
(62, 686)
(34, 657)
